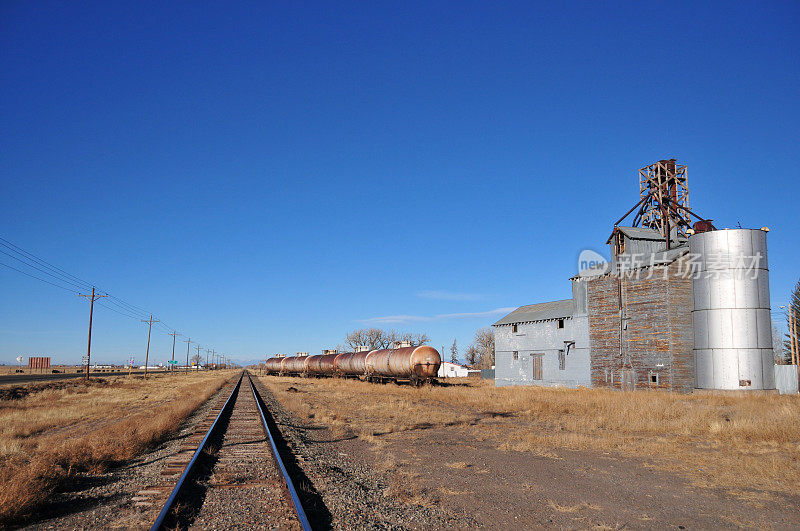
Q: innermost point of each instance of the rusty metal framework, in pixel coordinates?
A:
(664, 202)
(664, 189)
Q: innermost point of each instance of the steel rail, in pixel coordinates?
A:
(298, 507)
(188, 470)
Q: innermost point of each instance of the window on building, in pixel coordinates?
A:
(560, 323)
(514, 328)
(537, 366)
(654, 378)
(562, 360)
(515, 355)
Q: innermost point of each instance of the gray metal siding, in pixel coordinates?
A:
(786, 379)
(543, 337)
(579, 297)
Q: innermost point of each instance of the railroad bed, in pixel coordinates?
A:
(234, 478)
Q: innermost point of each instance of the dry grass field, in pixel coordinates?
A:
(739, 443)
(58, 430)
(12, 369)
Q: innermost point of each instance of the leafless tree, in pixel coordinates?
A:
(414, 339)
(375, 338)
(481, 351)
(472, 355)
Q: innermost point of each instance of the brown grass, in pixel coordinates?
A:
(53, 434)
(66, 369)
(738, 442)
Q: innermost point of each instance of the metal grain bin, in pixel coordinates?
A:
(731, 313)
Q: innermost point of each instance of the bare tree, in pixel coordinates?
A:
(781, 355)
(481, 351)
(375, 338)
(196, 359)
(454, 352)
(472, 355)
(414, 339)
(794, 304)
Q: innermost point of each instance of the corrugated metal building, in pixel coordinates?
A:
(544, 344)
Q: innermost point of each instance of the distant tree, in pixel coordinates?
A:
(794, 303)
(454, 352)
(414, 339)
(781, 355)
(481, 351)
(472, 355)
(375, 338)
(196, 359)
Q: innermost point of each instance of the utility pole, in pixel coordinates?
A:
(174, 335)
(188, 341)
(792, 338)
(213, 353)
(198, 354)
(91, 298)
(149, 329)
(208, 351)
(793, 341)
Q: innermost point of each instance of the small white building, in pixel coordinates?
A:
(452, 370)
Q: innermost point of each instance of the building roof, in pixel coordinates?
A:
(637, 233)
(660, 258)
(644, 233)
(539, 312)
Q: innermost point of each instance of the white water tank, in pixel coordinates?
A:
(731, 311)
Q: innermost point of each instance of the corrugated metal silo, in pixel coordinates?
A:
(731, 313)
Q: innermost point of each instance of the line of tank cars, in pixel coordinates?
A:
(417, 365)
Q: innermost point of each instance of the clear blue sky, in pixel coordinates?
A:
(266, 176)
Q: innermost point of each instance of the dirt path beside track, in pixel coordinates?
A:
(468, 467)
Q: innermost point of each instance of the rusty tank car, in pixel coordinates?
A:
(273, 365)
(353, 363)
(294, 365)
(418, 364)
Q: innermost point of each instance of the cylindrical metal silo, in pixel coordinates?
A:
(731, 312)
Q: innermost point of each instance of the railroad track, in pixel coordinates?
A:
(236, 476)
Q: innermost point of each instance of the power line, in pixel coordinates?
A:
(118, 311)
(57, 277)
(129, 304)
(126, 309)
(68, 282)
(37, 278)
(20, 250)
(63, 276)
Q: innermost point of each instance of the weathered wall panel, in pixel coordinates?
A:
(546, 339)
(651, 338)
